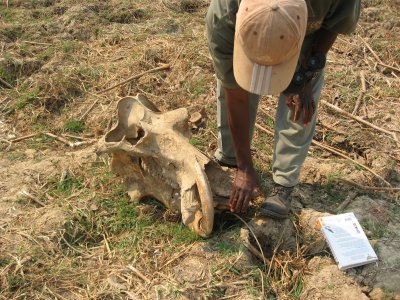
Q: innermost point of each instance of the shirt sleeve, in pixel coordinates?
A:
(343, 17)
(221, 34)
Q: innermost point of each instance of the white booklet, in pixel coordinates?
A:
(347, 240)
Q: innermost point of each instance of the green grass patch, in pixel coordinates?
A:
(7, 15)
(64, 188)
(196, 86)
(116, 216)
(26, 99)
(12, 32)
(331, 179)
(46, 54)
(67, 186)
(396, 209)
(40, 143)
(69, 47)
(378, 230)
(16, 156)
(5, 75)
(15, 282)
(88, 73)
(195, 141)
(297, 289)
(4, 262)
(226, 248)
(74, 126)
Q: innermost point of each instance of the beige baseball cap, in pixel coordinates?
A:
(268, 39)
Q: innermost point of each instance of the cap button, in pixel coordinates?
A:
(275, 7)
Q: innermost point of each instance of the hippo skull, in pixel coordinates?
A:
(151, 151)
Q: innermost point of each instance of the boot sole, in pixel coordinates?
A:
(273, 215)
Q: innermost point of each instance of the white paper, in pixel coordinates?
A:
(347, 240)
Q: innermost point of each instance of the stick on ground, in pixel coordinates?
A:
(378, 59)
(362, 92)
(23, 137)
(138, 274)
(2, 81)
(350, 197)
(33, 198)
(371, 188)
(162, 67)
(334, 151)
(349, 115)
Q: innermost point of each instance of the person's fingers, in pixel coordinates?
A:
(246, 201)
(239, 203)
(305, 114)
(233, 199)
(298, 110)
(290, 102)
(310, 111)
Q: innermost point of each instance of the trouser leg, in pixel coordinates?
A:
(226, 149)
(292, 140)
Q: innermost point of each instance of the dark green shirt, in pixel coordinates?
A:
(339, 16)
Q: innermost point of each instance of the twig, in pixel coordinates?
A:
(264, 259)
(5, 83)
(329, 127)
(262, 285)
(23, 138)
(107, 246)
(389, 67)
(371, 50)
(8, 142)
(362, 92)
(75, 137)
(162, 67)
(58, 138)
(350, 197)
(70, 246)
(89, 110)
(72, 145)
(37, 43)
(378, 59)
(4, 100)
(231, 296)
(278, 244)
(137, 273)
(349, 115)
(371, 188)
(175, 257)
(33, 198)
(334, 151)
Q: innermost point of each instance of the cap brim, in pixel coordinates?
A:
(262, 79)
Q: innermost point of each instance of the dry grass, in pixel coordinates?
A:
(58, 55)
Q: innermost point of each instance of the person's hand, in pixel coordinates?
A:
(245, 188)
(302, 105)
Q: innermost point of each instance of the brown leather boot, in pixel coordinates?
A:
(277, 204)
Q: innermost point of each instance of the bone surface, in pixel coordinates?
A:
(152, 152)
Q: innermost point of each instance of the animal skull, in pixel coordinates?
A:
(151, 151)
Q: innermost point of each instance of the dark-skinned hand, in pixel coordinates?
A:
(245, 188)
(302, 104)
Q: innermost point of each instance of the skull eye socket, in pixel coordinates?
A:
(140, 133)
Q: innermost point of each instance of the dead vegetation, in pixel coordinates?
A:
(83, 238)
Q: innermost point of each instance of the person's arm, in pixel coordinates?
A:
(303, 103)
(323, 40)
(245, 183)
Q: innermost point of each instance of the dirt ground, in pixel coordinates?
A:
(67, 228)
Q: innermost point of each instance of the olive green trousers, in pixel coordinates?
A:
(291, 142)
